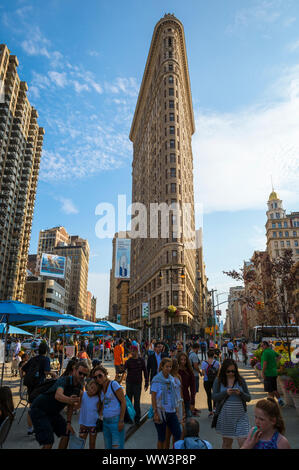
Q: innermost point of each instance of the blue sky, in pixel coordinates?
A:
(84, 66)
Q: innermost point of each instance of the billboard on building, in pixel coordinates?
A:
(52, 266)
(122, 258)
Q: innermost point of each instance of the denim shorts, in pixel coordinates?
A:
(171, 420)
(112, 437)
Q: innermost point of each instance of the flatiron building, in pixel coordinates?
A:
(163, 268)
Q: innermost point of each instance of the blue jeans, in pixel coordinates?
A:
(173, 423)
(112, 437)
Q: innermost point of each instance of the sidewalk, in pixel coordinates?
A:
(146, 437)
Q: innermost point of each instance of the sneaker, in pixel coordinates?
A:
(30, 431)
(281, 402)
(211, 413)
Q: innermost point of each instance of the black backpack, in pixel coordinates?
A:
(32, 378)
(211, 372)
(43, 388)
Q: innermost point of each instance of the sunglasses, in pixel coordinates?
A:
(231, 371)
(98, 376)
(82, 374)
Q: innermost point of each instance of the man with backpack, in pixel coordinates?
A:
(36, 370)
(46, 407)
(191, 437)
(210, 370)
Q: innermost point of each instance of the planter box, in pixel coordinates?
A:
(287, 396)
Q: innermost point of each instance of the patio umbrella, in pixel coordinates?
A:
(14, 311)
(70, 322)
(13, 330)
(115, 326)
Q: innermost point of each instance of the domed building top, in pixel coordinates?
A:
(273, 196)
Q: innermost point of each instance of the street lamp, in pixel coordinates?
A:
(182, 275)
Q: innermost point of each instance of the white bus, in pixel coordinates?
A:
(272, 332)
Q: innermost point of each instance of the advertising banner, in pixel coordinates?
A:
(145, 310)
(122, 258)
(52, 266)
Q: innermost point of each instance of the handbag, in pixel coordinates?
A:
(218, 409)
(130, 411)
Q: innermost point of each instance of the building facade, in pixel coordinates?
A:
(163, 266)
(282, 230)
(21, 141)
(45, 293)
(78, 252)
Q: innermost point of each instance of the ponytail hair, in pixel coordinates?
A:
(271, 408)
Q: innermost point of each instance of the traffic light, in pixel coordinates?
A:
(260, 305)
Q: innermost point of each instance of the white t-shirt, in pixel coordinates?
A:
(157, 387)
(111, 406)
(89, 410)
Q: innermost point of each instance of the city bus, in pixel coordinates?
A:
(272, 332)
(279, 335)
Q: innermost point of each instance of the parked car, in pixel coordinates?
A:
(28, 344)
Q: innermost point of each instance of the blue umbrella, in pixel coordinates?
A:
(115, 326)
(14, 311)
(13, 330)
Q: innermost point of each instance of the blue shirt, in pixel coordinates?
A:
(158, 357)
(230, 345)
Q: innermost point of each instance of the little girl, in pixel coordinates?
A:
(270, 427)
(89, 413)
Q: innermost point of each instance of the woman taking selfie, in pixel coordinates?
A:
(165, 403)
(230, 393)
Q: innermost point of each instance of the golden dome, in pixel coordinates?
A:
(273, 196)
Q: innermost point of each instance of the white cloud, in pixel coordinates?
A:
(59, 78)
(68, 207)
(93, 53)
(294, 46)
(80, 86)
(260, 14)
(127, 86)
(235, 154)
(258, 238)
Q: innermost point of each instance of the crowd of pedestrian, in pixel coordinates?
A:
(171, 372)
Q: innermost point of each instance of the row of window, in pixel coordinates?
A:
(286, 234)
(287, 244)
(279, 224)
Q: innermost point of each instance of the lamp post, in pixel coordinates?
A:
(171, 269)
